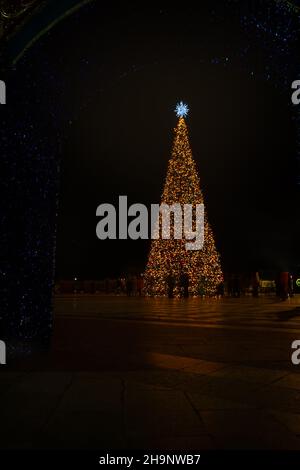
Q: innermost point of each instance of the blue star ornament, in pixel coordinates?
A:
(181, 109)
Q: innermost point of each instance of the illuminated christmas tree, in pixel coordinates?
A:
(170, 263)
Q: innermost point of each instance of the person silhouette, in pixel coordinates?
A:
(170, 285)
(184, 283)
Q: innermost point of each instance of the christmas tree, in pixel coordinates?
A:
(170, 264)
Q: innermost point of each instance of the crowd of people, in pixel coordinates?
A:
(282, 285)
(179, 286)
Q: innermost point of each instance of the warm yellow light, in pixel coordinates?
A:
(167, 257)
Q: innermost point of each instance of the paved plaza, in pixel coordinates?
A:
(177, 374)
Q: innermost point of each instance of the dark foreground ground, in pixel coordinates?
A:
(158, 373)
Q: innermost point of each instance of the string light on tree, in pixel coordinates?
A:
(169, 257)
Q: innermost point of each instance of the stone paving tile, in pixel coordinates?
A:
(238, 391)
(264, 311)
(277, 398)
(290, 420)
(42, 382)
(210, 403)
(28, 405)
(193, 382)
(170, 379)
(174, 380)
(247, 429)
(160, 414)
(172, 387)
(96, 391)
(187, 363)
(90, 414)
(290, 381)
(83, 429)
(9, 379)
(253, 395)
(136, 385)
(163, 348)
(251, 374)
(172, 444)
(250, 350)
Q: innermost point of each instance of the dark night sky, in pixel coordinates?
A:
(119, 74)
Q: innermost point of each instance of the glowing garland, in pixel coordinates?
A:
(169, 257)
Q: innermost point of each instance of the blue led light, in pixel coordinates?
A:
(181, 109)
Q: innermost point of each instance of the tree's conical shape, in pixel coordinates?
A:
(170, 257)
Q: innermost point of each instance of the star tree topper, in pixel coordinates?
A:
(181, 109)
